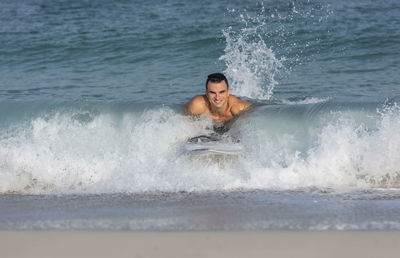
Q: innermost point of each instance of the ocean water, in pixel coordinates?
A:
(92, 123)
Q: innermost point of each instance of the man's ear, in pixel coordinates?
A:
(229, 92)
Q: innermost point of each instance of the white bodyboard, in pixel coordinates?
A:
(204, 144)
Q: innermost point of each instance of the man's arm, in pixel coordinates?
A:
(239, 105)
(196, 106)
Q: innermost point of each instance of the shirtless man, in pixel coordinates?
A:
(217, 102)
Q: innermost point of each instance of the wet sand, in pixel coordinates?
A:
(99, 244)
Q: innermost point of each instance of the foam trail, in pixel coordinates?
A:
(308, 100)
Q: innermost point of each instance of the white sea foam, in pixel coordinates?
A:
(342, 153)
(141, 152)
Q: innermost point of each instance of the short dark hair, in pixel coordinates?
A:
(216, 78)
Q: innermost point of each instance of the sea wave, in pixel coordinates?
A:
(132, 150)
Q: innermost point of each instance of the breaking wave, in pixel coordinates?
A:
(297, 146)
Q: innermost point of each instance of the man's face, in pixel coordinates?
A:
(217, 93)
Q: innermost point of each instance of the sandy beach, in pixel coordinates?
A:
(62, 244)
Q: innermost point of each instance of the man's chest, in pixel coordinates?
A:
(221, 117)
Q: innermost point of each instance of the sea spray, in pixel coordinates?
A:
(250, 64)
(334, 149)
(286, 147)
(261, 46)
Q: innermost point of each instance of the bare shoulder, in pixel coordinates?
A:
(196, 106)
(238, 105)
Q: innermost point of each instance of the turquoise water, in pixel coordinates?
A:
(91, 98)
(161, 51)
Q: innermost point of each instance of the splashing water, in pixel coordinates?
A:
(286, 147)
(251, 64)
(263, 46)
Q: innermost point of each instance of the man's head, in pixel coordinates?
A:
(217, 90)
(216, 78)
